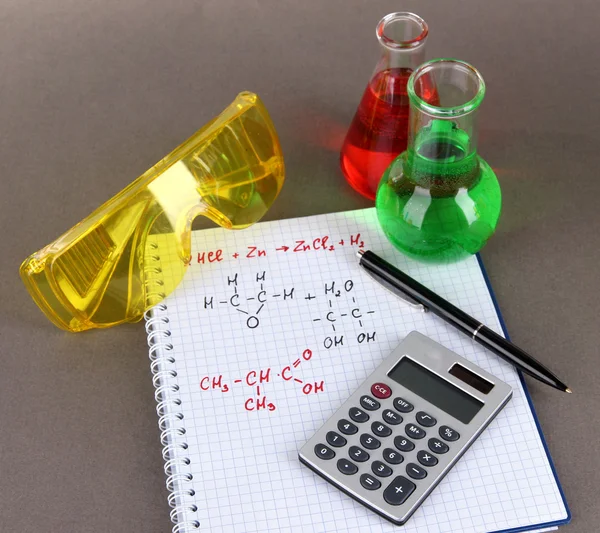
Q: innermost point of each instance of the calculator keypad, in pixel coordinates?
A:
(449, 434)
(392, 456)
(391, 417)
(358, 454)
(402, 405)
(324, 452)
(369, 482)
(415, 471)
(347, 427)
(370, 404)
(369, 442)
(347, 467)
(426, 459)
(381, 430)
(437, 446)
(335, 439)
(401, 487)
(414, 431)
(404, 445)
(398, 491)
(381, 391)
(425, 420)
(358, 415)
(381, 469)
(382, 466)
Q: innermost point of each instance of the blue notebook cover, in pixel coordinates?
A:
(537, 421)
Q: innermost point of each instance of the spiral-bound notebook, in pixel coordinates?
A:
(271, 330)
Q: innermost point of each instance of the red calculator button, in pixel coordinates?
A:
(381, 391)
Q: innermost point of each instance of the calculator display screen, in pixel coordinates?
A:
(435, 390)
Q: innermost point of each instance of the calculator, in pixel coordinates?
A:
(406, 426)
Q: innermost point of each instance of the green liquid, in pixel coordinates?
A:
(437, 203)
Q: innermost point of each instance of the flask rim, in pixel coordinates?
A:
(395, 44)
(452, 111)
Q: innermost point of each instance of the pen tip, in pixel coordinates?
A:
(360, 253)
(569, 391)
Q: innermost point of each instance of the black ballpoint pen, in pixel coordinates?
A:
(418, 295)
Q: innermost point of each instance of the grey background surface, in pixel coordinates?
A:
(93, 93)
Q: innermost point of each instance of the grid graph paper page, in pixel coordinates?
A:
(274, 327)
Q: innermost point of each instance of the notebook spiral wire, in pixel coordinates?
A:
(170, 417)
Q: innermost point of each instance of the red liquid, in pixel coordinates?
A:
(379, 130)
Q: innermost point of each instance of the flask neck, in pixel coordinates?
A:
(402, 39)
(444, 95)
(406, 61)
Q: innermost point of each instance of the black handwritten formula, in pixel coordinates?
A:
(346, 308)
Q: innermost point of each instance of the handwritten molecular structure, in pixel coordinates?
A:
(257, 301)
(336, 293)
(337, 316)
(256, 379)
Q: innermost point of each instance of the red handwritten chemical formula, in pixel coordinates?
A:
(319, 244)
(256, 379)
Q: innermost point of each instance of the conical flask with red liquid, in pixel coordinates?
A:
(378, 133)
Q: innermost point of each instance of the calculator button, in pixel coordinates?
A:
(381, 469)
(425, 420)
(324, 452)
(369, 403)
(369, 442)
(358, 454)
(404, 445)
(398, 491)
(402, 405)
(437, 446)
(347, 467)
(414, 431)
(381, 391)
(381, 430)
(369, 482)
(426, 459)
(346, 427)
(449, 434)
(391, 417)
(358, 415)
(392, 456)
(335, 439)
(415, 471)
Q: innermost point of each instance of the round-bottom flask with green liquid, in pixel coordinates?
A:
(439, 201)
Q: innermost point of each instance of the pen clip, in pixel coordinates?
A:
(410, 302)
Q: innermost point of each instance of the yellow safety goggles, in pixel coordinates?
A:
(133, 251)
